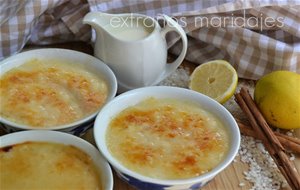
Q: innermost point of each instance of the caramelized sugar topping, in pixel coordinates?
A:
(43, 94)
(167, 139)
(40, 165)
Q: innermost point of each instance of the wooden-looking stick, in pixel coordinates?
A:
(289, 143)
(269, 139)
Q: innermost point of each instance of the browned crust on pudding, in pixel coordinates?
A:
(45, 95)
(40, 165)
(167, 139)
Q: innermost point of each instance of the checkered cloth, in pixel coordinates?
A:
(256, 37)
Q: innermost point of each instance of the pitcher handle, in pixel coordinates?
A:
(173, 26)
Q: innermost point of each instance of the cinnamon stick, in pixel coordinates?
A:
(269, 139)
(258, 130)
(289, 143)
(292, 139)
(260, 133)
(253, 122)
(262, 122)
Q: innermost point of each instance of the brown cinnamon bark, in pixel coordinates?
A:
(292, 139)
(271, 142)
(289, 143)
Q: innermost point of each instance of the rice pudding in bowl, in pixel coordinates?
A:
(166, 137)
(54, 89)
(55, 160)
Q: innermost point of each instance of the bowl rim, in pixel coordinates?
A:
(113, 85)
(232, 152)
(67, 139)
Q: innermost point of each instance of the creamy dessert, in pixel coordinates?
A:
(46, 93)
(44, 165)
(167, 139)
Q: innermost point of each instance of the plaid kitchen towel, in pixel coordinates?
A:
(256, 37)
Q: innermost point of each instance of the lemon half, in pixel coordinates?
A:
(216, 79)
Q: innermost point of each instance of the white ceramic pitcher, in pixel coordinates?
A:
(134, 47)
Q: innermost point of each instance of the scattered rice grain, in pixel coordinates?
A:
(180, 78)
(292, 158)
(263, 172)
(289, 133)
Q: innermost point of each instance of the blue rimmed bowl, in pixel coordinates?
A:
(133, 97)
(90, 63)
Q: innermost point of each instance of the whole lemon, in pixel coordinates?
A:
(278, 97)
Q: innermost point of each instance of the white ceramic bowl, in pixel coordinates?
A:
(58, 137)
(133, 97)
(90, 63)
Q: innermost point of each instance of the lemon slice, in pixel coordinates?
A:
(216, 79)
